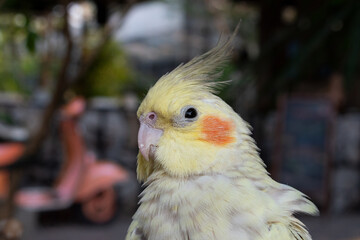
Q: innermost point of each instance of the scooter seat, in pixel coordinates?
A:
(40, 199)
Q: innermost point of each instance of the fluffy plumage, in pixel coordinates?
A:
(204, 178)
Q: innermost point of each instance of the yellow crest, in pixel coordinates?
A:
(195, 79)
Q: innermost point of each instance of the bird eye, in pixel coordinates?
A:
(188, 114)
(191, 113)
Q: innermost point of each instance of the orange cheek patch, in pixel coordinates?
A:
(217, 131)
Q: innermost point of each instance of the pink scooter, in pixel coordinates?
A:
(82, 180)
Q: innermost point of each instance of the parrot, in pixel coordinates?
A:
(201, 169)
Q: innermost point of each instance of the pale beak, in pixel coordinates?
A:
(148, 136)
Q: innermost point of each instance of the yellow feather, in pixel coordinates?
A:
(144, 168)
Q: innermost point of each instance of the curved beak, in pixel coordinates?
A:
(148, 136)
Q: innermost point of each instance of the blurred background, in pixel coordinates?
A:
(72, 74)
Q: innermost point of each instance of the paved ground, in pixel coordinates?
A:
(342, 227)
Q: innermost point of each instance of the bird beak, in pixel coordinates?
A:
(148, 135)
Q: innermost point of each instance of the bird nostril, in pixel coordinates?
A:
(152, 116)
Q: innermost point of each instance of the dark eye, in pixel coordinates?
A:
(191, 113)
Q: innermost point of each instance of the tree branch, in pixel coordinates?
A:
(62, 84)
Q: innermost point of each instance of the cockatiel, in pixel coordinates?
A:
(203, 175)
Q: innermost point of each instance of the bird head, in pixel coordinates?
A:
(185, 129)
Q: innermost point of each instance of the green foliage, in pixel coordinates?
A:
(17, 74)
(110, 74)
(19, 67)
(8, 83)
(31, 37)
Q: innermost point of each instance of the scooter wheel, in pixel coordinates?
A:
(101, 208)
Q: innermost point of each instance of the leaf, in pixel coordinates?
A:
(31, 38)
